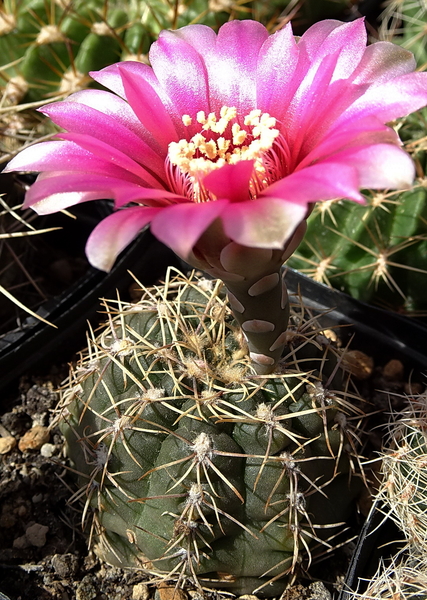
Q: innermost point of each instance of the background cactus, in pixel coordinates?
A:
(404, 472)
(375, 252)
(402, 497)
(191, 466)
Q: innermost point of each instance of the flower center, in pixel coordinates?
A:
(221, 141)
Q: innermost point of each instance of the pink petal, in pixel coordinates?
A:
(181, 225)
(148, 107)
(148, 196)
(114, 233)
(262, 223)
(115, 157)
(50, 194)
(275, 87)
(230, 60)
(113, 106)
(322, 181)
(110, 77)
(78, 118)
(181, 72)
(231, 181)
(54, 191)
(64, 156)
(379, 166)
(391, 99)
(232, 70)
(383, 61)
(348, 40)
(354, 133)
(306, 104)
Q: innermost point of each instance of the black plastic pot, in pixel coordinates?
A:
(35, 343)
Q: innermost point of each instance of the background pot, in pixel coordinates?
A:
(35, 343)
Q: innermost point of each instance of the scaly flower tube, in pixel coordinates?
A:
(222, 144)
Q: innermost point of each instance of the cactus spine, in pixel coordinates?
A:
(189, 464)
(403, 494)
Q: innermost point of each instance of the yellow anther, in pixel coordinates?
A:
(239, 135)
(198, 140)
(210, 150)
(253, 117)
(223, 145)
(201, 118)
(220, 142)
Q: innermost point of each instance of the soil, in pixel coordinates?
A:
(43, 552)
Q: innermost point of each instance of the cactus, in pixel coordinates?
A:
(192, 466)
(400, 579)
(375, 252)
(404, 474)
(47, 48)
(402, 495)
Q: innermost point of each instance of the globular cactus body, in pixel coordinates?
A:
(190, 464)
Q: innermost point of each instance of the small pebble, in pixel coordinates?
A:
(7, 444)
(358, 363)
(170, 592)
(393, 370)
(36, 535)
(85, 589)
(140, 591)
(47, 450)
(34, 439)
(65, 565)
(21, 542)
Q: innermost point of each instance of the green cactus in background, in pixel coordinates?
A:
(402, 497)
(400, 579)
(375, 252)
(404, 474)
(191, 466)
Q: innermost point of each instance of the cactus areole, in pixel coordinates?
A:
(222, 145)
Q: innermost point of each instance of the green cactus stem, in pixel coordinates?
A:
(192, 467)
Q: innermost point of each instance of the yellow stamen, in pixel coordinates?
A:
(223, 141)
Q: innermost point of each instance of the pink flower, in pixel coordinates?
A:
(237, 131)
